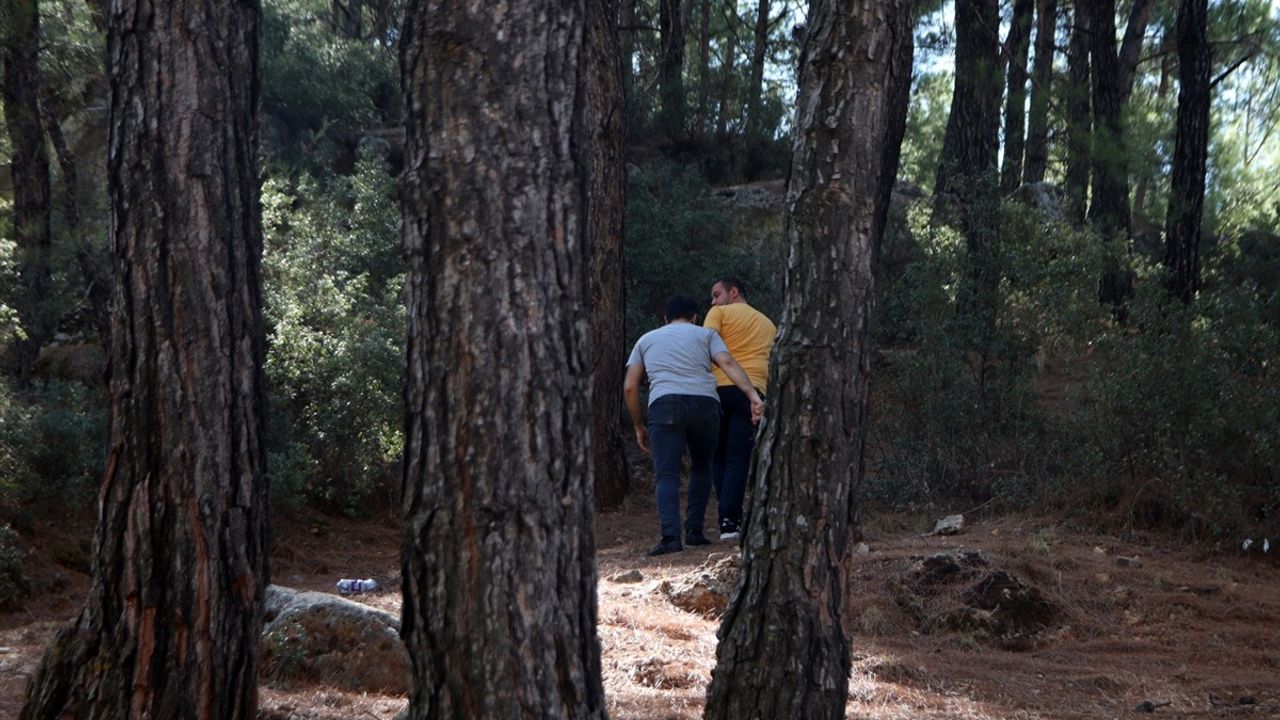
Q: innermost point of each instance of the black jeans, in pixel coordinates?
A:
(677, 421)
(732, 461)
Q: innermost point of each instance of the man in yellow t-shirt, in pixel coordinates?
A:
(749, 336)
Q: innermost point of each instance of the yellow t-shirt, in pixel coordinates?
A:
(749, 336)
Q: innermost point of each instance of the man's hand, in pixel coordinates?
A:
(757, 409)
(642, 438)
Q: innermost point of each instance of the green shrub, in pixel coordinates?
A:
(1176, 408)
(680, 238)
(52, 445)
(333, 287)
(13, 582)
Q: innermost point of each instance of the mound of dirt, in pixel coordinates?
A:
(962, 591)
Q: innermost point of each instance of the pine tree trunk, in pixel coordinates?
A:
(704, 67)
(755, 84)
(171, 626)
(1191, 150)
(605, 211)
(972, 138)
(782, 650)
(1041, 93)
(726, 82)
(29, 168)
(967, 180)
(347, 16)
(671, 69)
(1131, 47)
(627, 35)
(1109, 206)
(499, 575)
(1016, 95)
(1078, 115)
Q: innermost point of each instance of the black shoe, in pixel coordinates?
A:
(695, 540)
(729, 531)
(666, 546)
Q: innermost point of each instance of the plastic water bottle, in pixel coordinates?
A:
(355, 586)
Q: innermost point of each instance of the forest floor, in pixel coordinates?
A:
(1190, 629)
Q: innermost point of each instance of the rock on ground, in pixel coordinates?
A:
(316, 637)
(706, 591)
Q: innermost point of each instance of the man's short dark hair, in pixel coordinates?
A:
(732, 281)
(681, 307)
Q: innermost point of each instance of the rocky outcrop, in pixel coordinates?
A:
(319, 638)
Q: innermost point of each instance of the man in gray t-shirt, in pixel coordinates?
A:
(684, 410)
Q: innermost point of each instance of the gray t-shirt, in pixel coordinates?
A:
(678, 358)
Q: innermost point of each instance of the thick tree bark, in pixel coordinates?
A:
(1191, 150)
(171, 626)
(755, 84)
(606, 206)
(499, 575)
(1016, 95)
(782, 650)
(972, 138)
(1078, 115)
(1109, 204)
(1037, 155)
(29, 168)
(671, 69)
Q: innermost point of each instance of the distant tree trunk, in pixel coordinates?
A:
(171, 626)
(94, 265)
(1140, 193)
(1041, 93)
(782, 650)
(755, 85)
(98, 14)
(967, 180)
(347, 15)
(1079, 117)
(1016, 96)
(1109, 205)
(605, 210)
(1131, 47)
(1191, 150)
(726, 82)
(29, 168)
(972, 138)
(498, 563)
(671, 68)
(704, 67)
(627, 36)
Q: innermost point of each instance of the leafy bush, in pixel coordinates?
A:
(52, 444)
(680, 238)
(318, 87)
(1173, 407)
(13, 582)
(333, 282)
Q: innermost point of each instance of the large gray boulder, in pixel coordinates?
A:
(319, 638)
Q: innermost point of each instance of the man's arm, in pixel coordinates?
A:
(739, 377)
(631, 391)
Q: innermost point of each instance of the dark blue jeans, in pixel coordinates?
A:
(677, 422)
(732, 462)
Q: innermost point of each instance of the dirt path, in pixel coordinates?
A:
(1183, 626)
